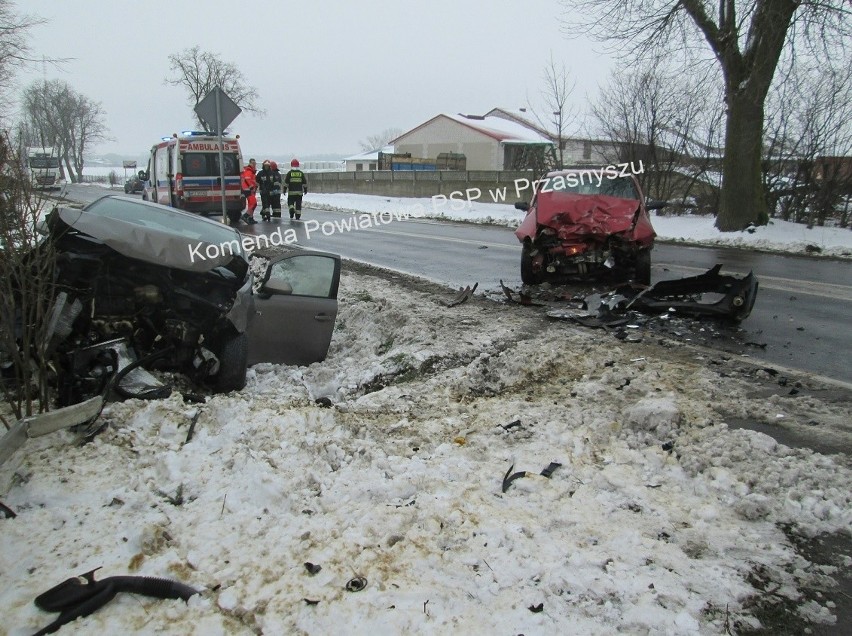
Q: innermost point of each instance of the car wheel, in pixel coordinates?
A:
(643, 267)
(233, 362)
(528, 275)
(126, 190)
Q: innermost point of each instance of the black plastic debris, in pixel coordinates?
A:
(668, 446)
(730, 297)
(535, 609)
(311, 601)
(523, 299)
(509, 477)
(312, 568)
(6, 511)
(356, 584)
(547, 472)
(461, 296)
(511, 425)
(324, 402)
(83, 595)
(711, 294)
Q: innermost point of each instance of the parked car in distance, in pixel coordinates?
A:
(134, 184)
(586, 222)
(175, 291)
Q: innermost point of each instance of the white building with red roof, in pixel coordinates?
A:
(488, 142)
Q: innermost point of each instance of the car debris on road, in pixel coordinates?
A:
(463, 294)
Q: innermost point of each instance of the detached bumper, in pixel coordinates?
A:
(709, 294)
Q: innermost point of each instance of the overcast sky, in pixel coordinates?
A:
(329, 72)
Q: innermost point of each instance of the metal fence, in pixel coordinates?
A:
(450, 176)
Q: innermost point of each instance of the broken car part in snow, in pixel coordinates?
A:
(524, 299)
(356, 584)
(463, 294)
(83, 595)
(44, 423)
(312, 568)
(509, 477)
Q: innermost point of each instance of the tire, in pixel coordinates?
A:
(233, 362)
(528, 276)
(643, 267)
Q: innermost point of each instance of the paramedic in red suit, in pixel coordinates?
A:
(249, 188)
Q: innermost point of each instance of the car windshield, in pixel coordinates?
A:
(160, 218)
(40, 161)
(591, 182)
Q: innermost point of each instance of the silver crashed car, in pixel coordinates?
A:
(144, 285)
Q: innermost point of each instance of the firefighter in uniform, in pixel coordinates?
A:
(264, 186)
(296, 185)
(275, 195)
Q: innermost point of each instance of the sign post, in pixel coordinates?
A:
(217, 110)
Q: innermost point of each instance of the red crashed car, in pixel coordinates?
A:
(584, 222)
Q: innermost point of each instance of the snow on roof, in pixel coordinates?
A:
(501, 129)
(370, 155)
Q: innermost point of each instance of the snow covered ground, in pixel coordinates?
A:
(661, 518)
(780, 236)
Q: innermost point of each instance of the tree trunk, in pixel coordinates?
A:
(742, 201)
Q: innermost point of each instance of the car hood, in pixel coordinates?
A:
(573, 214)
(155, 245)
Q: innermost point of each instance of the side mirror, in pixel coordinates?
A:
(143, 176)
(650, 204)
(522, 205)
(276, 286)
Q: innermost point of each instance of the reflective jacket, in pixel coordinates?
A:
(264, 181)
(248, 181)
(296, 182)
(276, 182)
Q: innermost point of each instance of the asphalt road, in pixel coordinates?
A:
(800, 319)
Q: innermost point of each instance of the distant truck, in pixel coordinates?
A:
(43, 165)
(183, 172)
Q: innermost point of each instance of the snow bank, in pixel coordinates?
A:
(659, 519)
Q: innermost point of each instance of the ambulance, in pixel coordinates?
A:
(183, 172)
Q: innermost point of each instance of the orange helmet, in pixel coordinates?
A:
(294, 163)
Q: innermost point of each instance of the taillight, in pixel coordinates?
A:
(179, 184)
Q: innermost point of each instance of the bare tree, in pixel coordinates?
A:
(555, 113)
(199, 72)
(26, 289)
(656, 116)
(87, 129)
(746, 37)
(57, 115)
(807, 169)
(380, 140)
(14, 48)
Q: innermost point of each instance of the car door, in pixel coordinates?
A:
(296, 309)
